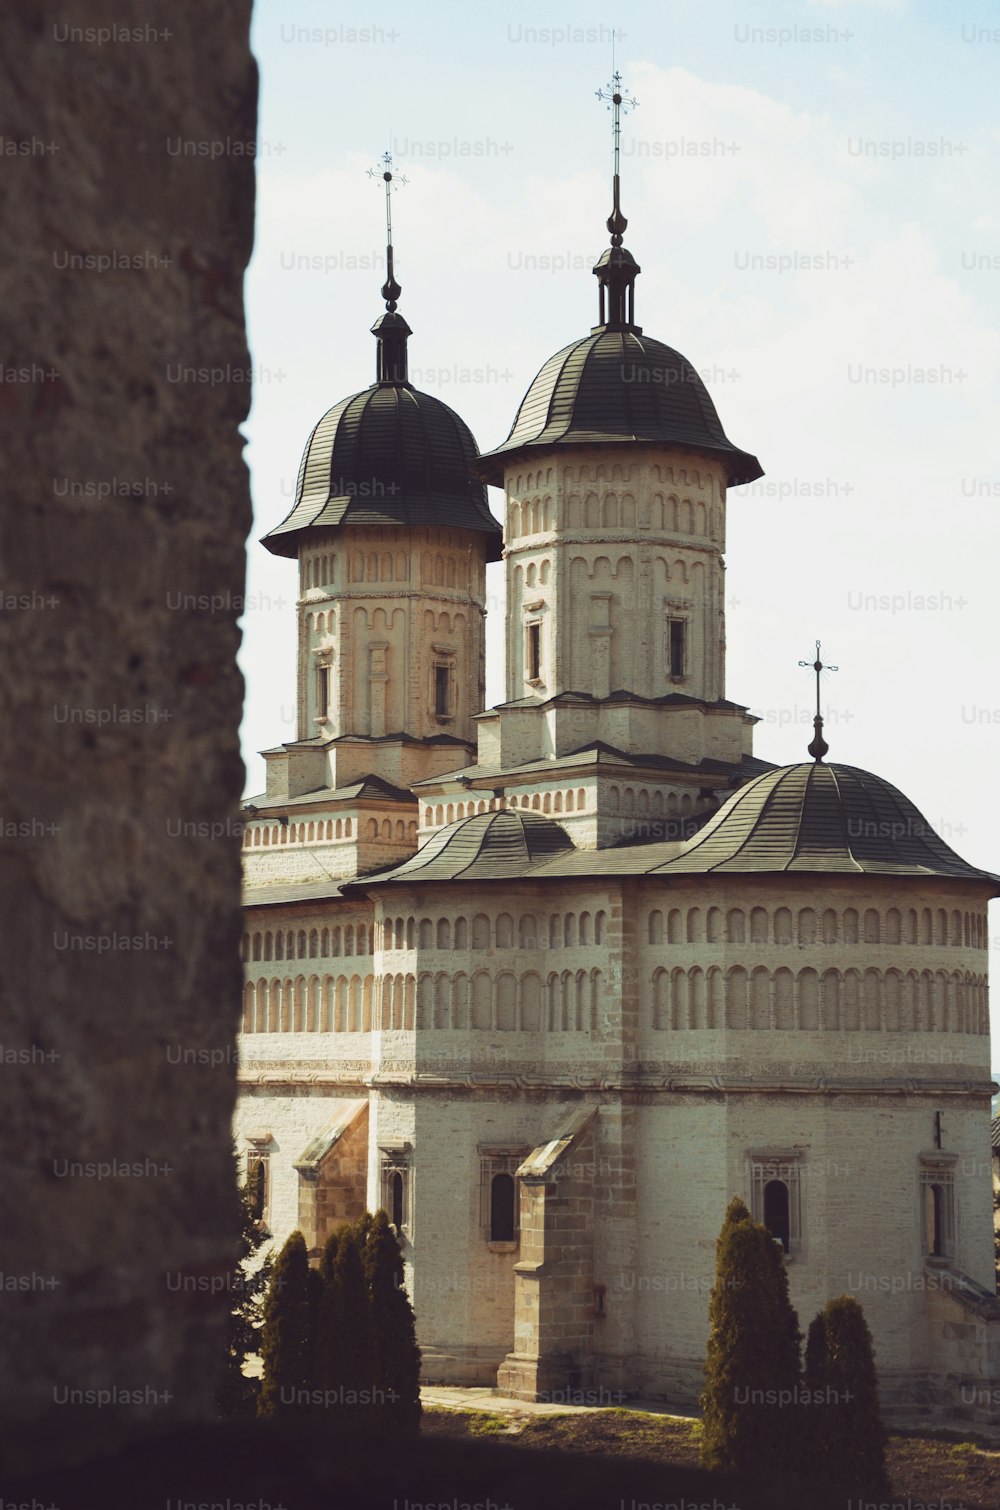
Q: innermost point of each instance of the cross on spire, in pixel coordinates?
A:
(818, 747)
(393, 181)
(617, 102)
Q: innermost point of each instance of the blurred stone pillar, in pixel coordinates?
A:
(128, 199)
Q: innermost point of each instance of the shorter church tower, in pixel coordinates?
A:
(392, 532)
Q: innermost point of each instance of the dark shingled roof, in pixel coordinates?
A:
(373, 787)
(487, 847)
(308, 891)
(614, 386)
(814, 817)
(388, 455)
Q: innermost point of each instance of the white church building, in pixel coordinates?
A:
(553, 981)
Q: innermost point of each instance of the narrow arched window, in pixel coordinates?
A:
(396, 1198)
(502, 1208)
(934, 1216)
(258, 1189)
(776, 1211)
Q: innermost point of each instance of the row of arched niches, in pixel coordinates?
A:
(453, 569)
(925, 926)
(675, 993)
(807, 1000)
(935, 926)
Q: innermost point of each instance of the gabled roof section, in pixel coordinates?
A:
(315, 1152)
(542, 1159)
(308, 891)
(371, 787)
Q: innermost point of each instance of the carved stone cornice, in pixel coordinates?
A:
(644, 1081)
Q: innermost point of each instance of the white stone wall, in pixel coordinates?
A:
(594, 811)
(380, 606)
(476, 1014)
(335, 843)
(602, 548)
(872, 988)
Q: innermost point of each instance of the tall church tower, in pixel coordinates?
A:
(615, 475)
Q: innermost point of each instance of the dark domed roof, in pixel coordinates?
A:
(815, 817)
(617, 385)
(388, 455)
(486, 847)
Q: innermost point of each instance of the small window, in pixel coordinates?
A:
(502, 1209)
(395, 1182)
(323, 693)
(675, 646)
(499, 1195)
(776, 1196)
(442, 680)
(258, 1183)
(937, 1181)
(776, 1212)
(534, 652)
(258, 1189)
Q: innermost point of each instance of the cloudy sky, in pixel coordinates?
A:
(811, 191)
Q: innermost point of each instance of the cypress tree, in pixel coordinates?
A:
(314, 1297)
(324, 1371)
(397, 1357)
(751, 1419)
(348, 1363)
(846, 1443)
(813, 1375)
(286, 1346)
(237, 1394)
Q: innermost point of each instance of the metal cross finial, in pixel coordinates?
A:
(614, 94)
(390, 288)
(392, 182)
(819, 747)
(618, 102)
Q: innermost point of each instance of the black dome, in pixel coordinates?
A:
(617, 385)
(492, 846)
(388, 455)
(834, 819)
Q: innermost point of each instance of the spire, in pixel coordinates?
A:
(818, 747)
(616, 270)
(390, 330)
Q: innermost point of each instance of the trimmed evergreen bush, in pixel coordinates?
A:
(324, 1369)
(397, 1357)
(286, 1336)
(752, 1415)
(846, 1443)
(348, 1365)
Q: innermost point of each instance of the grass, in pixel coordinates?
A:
(931, 1467)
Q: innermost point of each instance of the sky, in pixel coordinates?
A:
(811, 190)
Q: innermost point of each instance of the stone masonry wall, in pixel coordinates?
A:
(128, 196)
